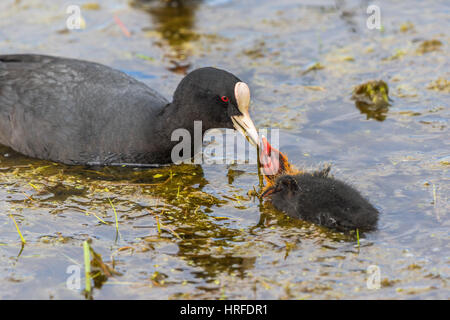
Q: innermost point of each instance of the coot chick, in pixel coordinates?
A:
(79, 112)
(315, 197)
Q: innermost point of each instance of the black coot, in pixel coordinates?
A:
(79, 112)
(315, 197)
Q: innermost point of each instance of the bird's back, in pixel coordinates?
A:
(75, 111)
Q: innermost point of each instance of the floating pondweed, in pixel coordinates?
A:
(372, 98)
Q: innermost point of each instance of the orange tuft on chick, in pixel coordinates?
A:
(274, 163)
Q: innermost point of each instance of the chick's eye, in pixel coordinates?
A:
(224, 98)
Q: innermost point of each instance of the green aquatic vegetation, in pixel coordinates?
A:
(95, 269)
(406, 26)
(34, 187)
(98, 266)
(161, 227)
(90, 6)
(373, 92)
(399, 53)
(115, 215)
(246, 249)
(312, 67)
(158, 225)
(144, 57)
(175, 23)
(406, 90)
(347, 58)
(434, 195)
(122, 26)
(60, 191)
(429, 46)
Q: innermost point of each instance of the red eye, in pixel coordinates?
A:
(224, 98)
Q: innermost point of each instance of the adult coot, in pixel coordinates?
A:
(314, 197)
(79, 112)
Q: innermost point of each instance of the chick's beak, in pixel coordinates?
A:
(243, 123)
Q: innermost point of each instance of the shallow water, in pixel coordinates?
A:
(217, 241)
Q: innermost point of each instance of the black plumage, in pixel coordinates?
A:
(79, 112)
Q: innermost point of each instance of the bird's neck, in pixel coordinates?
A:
(176, 117)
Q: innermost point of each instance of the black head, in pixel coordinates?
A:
(218, 98)
(285, 186)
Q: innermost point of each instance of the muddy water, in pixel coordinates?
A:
(302, 60)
